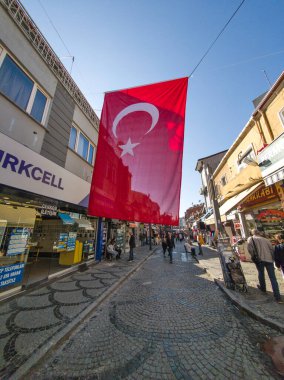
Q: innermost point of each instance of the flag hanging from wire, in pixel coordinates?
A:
(137, 172)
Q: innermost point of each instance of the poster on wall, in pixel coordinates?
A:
(62, 242)
(11, 274)
(71, 241)
(18, 241)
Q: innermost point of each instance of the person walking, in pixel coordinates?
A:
(279, 253)
(164, 246)
(171, 245)
(261, 251)
(200, 242)
(131, 246)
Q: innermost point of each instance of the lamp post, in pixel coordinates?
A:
(150, 237)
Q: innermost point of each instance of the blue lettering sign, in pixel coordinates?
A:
(10, 162)
(11, 274)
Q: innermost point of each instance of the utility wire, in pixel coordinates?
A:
(215, 40)
(49, 19)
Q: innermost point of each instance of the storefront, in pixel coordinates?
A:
(263, 210)
(38, 235)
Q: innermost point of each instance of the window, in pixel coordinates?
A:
(21, 89)
(81, 144)
(38, 105)
(223, 180)
(91, 154)
(281, 114)
(14, 83)
(73, 138)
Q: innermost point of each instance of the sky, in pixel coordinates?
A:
(127, 43)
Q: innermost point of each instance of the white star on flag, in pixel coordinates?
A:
(128, 148)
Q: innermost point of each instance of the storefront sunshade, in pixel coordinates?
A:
(209, 213)
(66, 218)
(234, 201)
(83, 223)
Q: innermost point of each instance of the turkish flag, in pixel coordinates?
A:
(137, 172)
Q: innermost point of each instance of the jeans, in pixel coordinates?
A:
(200, 249)
(271, 273)
(171, 254)
(131, 253)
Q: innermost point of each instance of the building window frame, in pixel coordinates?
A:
(281, 116)
(91, 145)
(223, 180)
(35, 88)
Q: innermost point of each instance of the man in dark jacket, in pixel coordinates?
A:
(171, 245)
(131, 246)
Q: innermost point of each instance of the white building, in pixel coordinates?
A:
(48, 139)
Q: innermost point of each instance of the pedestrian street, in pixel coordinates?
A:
(166, 321)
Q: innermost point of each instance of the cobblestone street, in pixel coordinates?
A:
(167, 321)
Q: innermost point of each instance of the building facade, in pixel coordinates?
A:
(48, 139)
(249, 179)
(206, 166)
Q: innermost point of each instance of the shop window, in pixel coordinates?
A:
(81, 144)
(281, 114)
(21, 89)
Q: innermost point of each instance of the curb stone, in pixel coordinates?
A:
(249, 310)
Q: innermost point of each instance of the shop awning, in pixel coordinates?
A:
(66, 218)
(84, 223)
(211, 220)
(207, 215)
(234, 201)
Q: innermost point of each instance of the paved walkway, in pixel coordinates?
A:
(33, 322)
(167, 321)
(254, 302)
(146, 319)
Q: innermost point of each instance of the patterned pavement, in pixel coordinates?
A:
(31, 322)
(167, 321)
(260, 304)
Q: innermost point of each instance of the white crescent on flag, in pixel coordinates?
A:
(146, 107)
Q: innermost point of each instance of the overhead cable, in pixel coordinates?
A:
(215, 40)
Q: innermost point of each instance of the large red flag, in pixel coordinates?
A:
(137, 173)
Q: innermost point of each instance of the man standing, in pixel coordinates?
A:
(261, 251)
(131, 246)
(171, 245)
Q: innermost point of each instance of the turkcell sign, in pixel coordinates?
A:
(15, 164)
(22, 168)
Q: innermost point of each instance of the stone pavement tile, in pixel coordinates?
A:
(38, 318)
(261, 305)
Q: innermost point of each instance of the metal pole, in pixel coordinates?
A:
(213, 199)
(150, 237)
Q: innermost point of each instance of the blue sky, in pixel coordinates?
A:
(126, 43)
